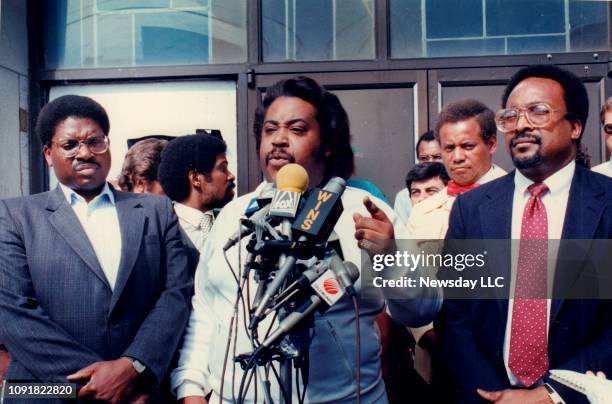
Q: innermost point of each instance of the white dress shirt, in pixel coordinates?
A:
(101, 224)
(555, 202)
(189, 220)
(604, 168)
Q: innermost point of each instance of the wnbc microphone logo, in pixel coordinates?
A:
(285, 203)
(331, 286)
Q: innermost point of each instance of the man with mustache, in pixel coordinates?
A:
(299, 122)
(93, 286)
(507, 345)
(194, 173)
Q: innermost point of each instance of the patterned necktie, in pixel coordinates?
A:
(528, 358)
(205, 225)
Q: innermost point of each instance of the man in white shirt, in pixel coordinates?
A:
(299, 122)
(194, 173)
(605, 168)
(427, 151)
(507, 345)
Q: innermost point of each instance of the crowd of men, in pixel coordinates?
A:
(131, 293)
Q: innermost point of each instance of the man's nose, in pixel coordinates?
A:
(458, 154)
(281, 136)
(522, 122)
(83, 152)
(230, 176)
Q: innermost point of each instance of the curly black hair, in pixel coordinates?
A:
(185, 154)
(331, 116)
(65, 107)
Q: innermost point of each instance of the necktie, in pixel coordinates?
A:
(205, 225)
(454, 189)
(528, 359)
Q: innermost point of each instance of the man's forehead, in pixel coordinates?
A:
(536, 89)
(461, 131)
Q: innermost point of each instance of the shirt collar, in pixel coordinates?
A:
(557, 183)
(72, 197)
(189, 214)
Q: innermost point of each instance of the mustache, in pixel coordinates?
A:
(279, 153)
(78, 164)
(537, 139)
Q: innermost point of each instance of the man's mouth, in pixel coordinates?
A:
(524, 140)
(86, 168)
(277, 158)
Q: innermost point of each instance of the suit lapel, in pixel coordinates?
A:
(131, 222)
(582, 216)
(66, 223)
(496, 218)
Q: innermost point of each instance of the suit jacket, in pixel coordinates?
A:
(58, 311)
(580, 333)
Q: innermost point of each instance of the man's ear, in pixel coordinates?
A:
(194, 179)
(139, 186)
(492, 143)
(576, 129)
(47, 154)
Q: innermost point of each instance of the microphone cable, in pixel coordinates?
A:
(357, 347)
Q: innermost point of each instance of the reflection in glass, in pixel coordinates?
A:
(317, 30)
(438, 28)
(109, 33)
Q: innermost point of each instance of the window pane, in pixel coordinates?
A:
(438, 28)
(317, 30)
(108, 33)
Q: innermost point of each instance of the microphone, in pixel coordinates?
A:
(291, 181)
(255, 215)
(345, 274)
(327, 291)
(321, 210)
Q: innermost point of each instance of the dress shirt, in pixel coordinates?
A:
(189, 220)
(332, 358)
(101, 224)
(403, 205)
(555, 202)
(604, 168)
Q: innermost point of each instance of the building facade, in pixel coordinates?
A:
(175, 66)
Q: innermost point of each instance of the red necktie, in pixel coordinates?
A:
(454, 189)
(528, 359)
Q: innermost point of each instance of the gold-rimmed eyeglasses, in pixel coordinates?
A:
(70, 147)
(538, 115)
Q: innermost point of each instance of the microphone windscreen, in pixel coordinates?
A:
(292, 178)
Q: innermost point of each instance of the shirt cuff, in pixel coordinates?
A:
(188, 388)
(554, 396)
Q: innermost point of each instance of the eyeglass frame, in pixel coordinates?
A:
(75, 151)
(607, 128)
(522, 111)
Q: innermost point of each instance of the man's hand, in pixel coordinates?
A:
(111, 381)
(368, 230)
(538, 395)
(194, 400)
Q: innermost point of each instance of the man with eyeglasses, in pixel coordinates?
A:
(606, 123)
(501, 350)
(93, 287)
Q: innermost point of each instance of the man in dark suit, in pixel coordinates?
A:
(501, 350)
(93, 286)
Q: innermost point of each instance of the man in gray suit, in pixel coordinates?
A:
(93, 286)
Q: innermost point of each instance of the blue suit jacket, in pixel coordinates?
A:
(57, 310)
(580, 333)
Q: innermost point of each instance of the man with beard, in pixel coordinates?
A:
(507, 345)
(194, 173)
(93, 287)
(299, 122)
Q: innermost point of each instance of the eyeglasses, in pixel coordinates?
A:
(426, 158)
(71, 147)
(608, 128)
(538, 115)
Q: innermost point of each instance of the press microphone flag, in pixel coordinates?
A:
(321, 210)
(291, 181)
